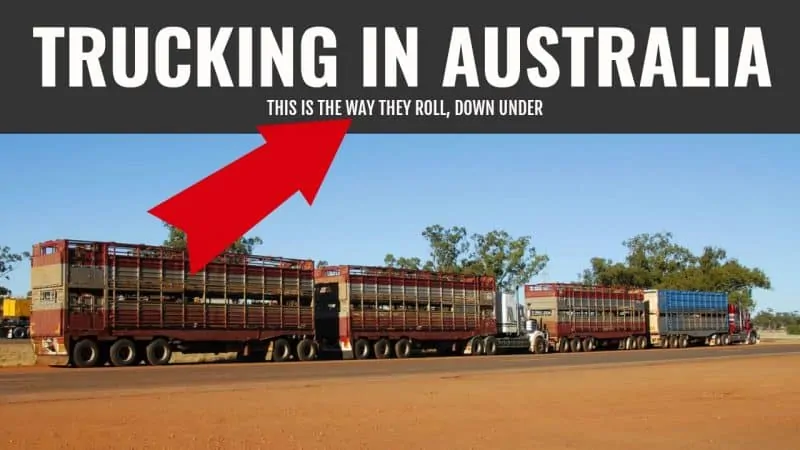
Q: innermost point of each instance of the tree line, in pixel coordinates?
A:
(652, 261)
(769, 319)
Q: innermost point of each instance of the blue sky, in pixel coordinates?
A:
(579, 196)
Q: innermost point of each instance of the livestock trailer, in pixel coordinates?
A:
(583, 318)
(382, 312)
(678, 319)
(98, 302)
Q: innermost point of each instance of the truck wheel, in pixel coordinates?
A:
(158, 352)
(575, 345)
(588, 344)
(402, 348)
(490, 345)
(361, 349)
(382, 349)
(539, 345)
(684, 341)
(18, 333)
(122, 353)
(85, 353)
(643, 342)
(628, 343)
(674, 342)
(563, 345)
(477, 346)
(306, 350)
(726, 340)
(665, 342)
(281, 351)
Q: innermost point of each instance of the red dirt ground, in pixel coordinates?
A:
(726, 404)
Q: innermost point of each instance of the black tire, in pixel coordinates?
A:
(85, 353)
(575, 345)
(643, 342)
(684, 341)
(588, 344)
(477, 347)
(306, 350)
(158, 352)
(123, 353)
(18, 333)
(664, 341)
(539, 345)
(490, 345)
(362, 349)
(281, 350)
(402, 348)
(674, 342)
(382, 349)
(563, 345)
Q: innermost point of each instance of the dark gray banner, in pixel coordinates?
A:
(424, 67)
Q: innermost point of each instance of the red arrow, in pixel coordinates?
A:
(221, 208)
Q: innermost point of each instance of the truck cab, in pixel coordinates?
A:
(740, 327)
(538, 336)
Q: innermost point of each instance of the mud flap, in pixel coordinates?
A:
(269, 351)
(470, 344)
(346, 348)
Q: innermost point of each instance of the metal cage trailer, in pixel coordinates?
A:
(99, 302)
(679, 319)
(584, 318)
(380, 312)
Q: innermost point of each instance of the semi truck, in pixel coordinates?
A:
(580, 318)
(15, 322)
(123, 304)
(379, 312)
(679, 319)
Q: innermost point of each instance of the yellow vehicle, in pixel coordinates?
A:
(15, 322)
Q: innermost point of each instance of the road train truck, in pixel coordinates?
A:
(678, 319)
(584, 318)
(124, 304)
(379, 312)
(99, 302)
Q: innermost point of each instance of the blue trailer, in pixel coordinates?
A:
(678, 319)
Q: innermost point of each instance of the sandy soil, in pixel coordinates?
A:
(685, 405)
(16, 353)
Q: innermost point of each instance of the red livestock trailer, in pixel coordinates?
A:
(98, 302)
(583, 318)
(381, 312)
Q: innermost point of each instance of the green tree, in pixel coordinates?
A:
(176, 239)
(322, 263)
(8, 261)
(656, 261)
(513, 261)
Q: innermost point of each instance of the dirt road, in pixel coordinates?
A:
(692, 404)
(27, 381)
